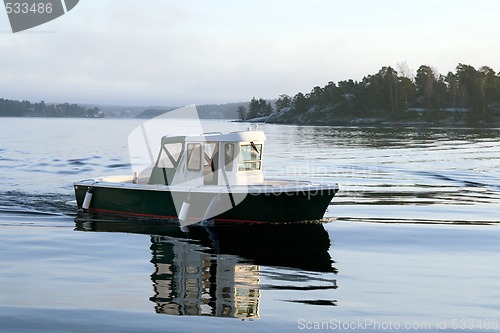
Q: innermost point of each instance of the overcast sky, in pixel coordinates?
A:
(162, 52)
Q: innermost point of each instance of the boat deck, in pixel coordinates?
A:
(268, 186)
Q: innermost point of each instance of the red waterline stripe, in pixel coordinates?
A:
(101, 210)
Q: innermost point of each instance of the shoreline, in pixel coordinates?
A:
(382, 123)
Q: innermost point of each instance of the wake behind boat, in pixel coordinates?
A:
(211, 176)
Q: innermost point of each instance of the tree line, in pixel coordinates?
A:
(473, 93)
(12, 108)
(256, 108)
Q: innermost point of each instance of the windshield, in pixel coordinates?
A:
(250, 157)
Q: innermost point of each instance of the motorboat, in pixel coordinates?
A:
(213, 176)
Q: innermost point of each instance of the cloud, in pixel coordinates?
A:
(160, 52)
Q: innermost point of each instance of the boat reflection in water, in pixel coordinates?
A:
(216, 270)
(190, 282)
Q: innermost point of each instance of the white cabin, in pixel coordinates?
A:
(210, 159)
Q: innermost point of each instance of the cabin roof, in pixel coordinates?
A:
(243, 136)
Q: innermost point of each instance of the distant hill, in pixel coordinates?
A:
(220, 111)
(207, 111)
(12, 108)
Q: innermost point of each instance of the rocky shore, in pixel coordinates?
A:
(408, 119)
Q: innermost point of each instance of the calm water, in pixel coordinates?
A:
(410, 241)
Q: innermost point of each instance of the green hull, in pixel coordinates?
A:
(289, 206)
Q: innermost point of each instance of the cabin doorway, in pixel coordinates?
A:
(211, 163)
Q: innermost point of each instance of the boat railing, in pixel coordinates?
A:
(210, 133)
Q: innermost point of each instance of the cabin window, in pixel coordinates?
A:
(229, 156)
(250, 157)
(211, 163)
(170, 155)
(194, 157)
(211, 155)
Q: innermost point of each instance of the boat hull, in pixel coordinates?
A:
(290, 204)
